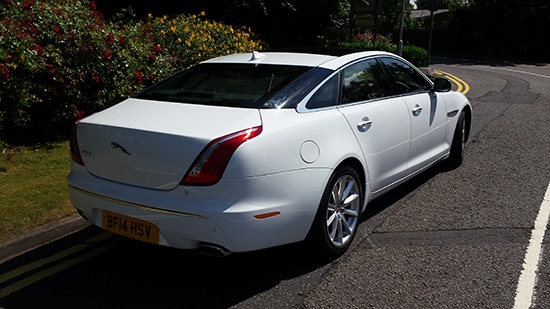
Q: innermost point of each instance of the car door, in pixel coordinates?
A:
(427, 112)
(381, 123)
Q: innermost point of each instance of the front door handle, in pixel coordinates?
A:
(364, 124)
(417, 110)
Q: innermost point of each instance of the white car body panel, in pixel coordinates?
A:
(385, 153)
(175, 118)
(346, 59)
(188, 216)
(310, 60)
(135, 155)
(456, 102)
(160, 140)
(279, 148)
(428, 128)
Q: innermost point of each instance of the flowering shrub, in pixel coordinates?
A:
(60, 60)
(190, 39)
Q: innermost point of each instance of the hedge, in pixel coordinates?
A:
(61, 60)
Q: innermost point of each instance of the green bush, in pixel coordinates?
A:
(60, 60)
(366, 41)
(416, 55)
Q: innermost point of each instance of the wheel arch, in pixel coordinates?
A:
(468, 117)
(363, 175)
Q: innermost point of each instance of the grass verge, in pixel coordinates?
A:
(33, 187)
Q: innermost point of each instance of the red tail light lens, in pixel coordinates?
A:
(209, 166)
(75, 151)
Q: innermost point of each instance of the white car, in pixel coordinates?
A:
(250, 151)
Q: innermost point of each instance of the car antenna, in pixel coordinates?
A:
(256, 56)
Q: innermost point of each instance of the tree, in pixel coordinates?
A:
(505, 28)
(441, 4)
(280, 23)
(392, 14)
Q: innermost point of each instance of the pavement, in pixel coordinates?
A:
(40, 236)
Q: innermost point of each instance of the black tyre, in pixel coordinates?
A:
(459, 141)
(337, 218)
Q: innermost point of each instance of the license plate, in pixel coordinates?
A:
(130, 227)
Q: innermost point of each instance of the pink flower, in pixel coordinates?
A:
(57, 30)
(110, 38)
(50, 68)
(157, 50)
(5, 71)
(107, 55)
(139, 76)
(39, 49)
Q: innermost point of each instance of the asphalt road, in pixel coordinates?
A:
(446, 239)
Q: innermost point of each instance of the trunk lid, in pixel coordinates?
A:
(152, 144)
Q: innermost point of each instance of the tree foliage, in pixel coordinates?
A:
(442, 4)
(505, 27)
(280, 23)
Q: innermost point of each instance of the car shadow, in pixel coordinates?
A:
(382, 203)
(132, 274)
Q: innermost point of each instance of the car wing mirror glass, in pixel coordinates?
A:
(442, 84)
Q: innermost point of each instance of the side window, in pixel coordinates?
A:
(326, 95)
(363, 81)
(406, 79)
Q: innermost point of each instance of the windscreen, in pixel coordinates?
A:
(220, 84)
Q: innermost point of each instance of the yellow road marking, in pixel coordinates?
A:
(54, 269)
(462, 86)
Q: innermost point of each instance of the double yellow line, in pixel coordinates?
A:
(462, 86)
(24, 281)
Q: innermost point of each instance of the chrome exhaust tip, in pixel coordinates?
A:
(213, 250)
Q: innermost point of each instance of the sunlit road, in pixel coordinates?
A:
(447, 239)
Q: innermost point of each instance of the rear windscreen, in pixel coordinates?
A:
(219, 84)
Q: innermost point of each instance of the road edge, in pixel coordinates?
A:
(38, 236)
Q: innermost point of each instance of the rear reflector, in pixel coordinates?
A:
(267, 215)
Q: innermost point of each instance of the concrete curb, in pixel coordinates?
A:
(41, 235)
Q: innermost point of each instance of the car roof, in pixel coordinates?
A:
(295, 58)
(281, 58)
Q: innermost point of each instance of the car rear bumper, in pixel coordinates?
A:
(224, 215)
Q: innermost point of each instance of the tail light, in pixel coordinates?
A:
(209, 166)
(75, 151)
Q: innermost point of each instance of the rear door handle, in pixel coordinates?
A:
(417, 110)
(364, 124)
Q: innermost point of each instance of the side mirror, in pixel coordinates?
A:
(442, 84)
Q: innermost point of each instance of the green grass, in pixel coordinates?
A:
(33, 187)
